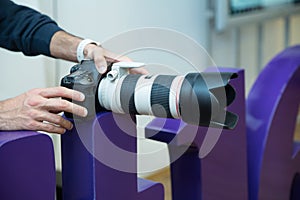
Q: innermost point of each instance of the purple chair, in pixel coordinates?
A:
(27, 166)
(195, 178)
(99, 159)
(272, 109)
(262, 164)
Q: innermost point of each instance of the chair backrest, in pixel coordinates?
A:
(27, 166)
(99, 160)
(272, 109)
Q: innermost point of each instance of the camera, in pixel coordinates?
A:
(197, 98)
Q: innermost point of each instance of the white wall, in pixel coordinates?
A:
(102, 20)
(251, 46)
(23, 73)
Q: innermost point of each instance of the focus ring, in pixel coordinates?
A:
(160, 93)
(127, 93)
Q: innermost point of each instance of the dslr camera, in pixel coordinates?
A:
(197, 98)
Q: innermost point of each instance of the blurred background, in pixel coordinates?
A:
(236, 33)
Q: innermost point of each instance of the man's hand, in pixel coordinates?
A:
(37, 110)
(101, 56)
(64, 45)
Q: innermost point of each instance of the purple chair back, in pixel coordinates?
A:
(100, 161)
(258, 162)
(272, 109)
(27, 167)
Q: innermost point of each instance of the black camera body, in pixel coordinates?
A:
(84, 78)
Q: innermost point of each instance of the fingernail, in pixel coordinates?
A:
(82, 97)
(71, 127)
(102, 69)
(85, 112)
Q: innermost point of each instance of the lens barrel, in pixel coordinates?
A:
(194, 98)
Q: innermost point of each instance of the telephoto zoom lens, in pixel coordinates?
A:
(196, 98)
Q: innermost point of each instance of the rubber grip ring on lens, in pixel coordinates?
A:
(160, 94)
(127, 93)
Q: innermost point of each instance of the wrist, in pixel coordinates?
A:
(87, 51)
(8, 114)
(83, 49)
(63, 45)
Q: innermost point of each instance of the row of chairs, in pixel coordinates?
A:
(257, 160)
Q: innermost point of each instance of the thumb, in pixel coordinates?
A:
(101, 64)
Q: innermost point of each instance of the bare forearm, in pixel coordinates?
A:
(63, 45)
(7, 114)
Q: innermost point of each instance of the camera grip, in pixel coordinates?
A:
(84, 78)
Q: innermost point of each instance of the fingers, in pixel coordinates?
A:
(96, 53)
(56, 120)
(100, 64)
(101, 56)
(112, 57)
(44, 121)
(47, 127)
(50, 128)
(41, 104)
(46, 99)
(139, 70)
(59, 105)
(33, 108)
(62, 92)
